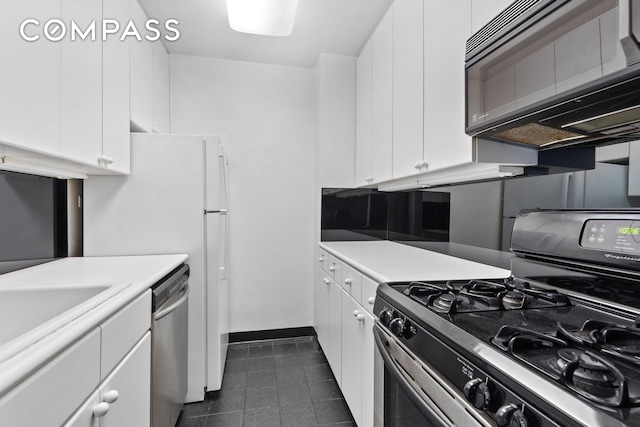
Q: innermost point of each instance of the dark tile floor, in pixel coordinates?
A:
(284, 382)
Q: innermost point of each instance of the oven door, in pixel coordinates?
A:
(412, 394)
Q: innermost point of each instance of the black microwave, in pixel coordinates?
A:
(551, 73)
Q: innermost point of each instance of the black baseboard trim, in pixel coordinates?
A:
(272, 334)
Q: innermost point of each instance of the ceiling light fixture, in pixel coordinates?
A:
(262, 17)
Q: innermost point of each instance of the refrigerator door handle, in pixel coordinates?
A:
(220, 211)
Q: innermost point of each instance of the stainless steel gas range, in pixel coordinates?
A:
(555, 344)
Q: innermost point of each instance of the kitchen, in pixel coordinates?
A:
(292, 119)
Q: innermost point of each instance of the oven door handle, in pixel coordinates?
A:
(431, 416)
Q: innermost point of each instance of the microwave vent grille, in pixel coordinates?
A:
(501, 21)
(536, 134)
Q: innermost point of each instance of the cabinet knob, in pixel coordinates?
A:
(105, 160)
(111, 396)
(321, 259)
(360, 317)
(371, 300)
(347, 282)
(332, 268)
(100, 410)
(425, 165)
(418, 166)
(355, 313)
(326, 281)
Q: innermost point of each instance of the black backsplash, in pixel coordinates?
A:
(365, 214)
(33, 220)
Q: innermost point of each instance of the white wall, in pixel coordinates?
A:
(264, 115)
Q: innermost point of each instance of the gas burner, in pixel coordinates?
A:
(462, 302)
(615, 340)
(513, 300)
(456, 296)
(587, 372)
(445, 303)
(483, 288)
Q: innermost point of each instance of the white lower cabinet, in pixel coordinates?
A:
(344, 320)
(72, 389)
(321, 307)
(368, 351)
(352, 331)
(59, 387)
(334, 352)
(123, 399)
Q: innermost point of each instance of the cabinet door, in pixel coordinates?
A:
(132, 381)
(351, 281)
(29, 78)
(368, 351)
(59, 387)
(363, 116)
(445, 142)
(334, 348)
(369, 288)
(321, 307)
(141, 76)
(161, 115)
(81, 84)
(84, 417)
(408, 82)
(115, 93)
(381, 100)
(352, 333)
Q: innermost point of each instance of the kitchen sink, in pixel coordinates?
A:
(31, 313)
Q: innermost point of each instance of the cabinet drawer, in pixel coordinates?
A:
(323, 259)
(122, 331)
(351, 281)
(333, 268)
(57, 389)
(369, 288)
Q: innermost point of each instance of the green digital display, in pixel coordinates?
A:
(629, 230)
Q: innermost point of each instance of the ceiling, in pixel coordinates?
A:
(322, 26)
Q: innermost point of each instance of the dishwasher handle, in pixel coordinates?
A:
(168, 310)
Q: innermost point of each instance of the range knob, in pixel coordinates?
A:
(511, 416)
(478, 393)
(385, 317)
(397, 327)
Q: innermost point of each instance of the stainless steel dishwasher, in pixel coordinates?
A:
(169, 347)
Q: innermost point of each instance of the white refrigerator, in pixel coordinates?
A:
(174, 201)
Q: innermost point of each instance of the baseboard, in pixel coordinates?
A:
(272, 334)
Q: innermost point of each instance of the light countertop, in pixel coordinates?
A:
(128, 276)
(386, 261)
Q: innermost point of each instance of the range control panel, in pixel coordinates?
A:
(590, 237)
(613, 235)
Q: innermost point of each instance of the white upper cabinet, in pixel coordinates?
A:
(483, 11)
(115, 91)
(81, 85)
(63, 92)
(29, 78)
(445, 142)
(149, 80)
(161, 114)
(408, 92)
(381, 100)
(335, 120)
(141, 76)
(363, 117)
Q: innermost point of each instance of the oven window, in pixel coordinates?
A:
(398, 409)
